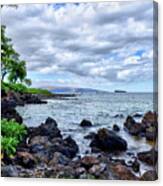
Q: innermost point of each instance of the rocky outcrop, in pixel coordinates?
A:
(107, 141)
(9, 112)
(148, 127)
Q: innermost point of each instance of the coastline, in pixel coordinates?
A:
(45, 145)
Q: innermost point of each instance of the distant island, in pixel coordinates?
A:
(120, 91)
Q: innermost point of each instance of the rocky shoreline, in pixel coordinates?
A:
(44, 153)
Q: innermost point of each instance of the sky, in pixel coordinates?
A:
(103, 46)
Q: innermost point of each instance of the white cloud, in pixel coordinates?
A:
(91, 40)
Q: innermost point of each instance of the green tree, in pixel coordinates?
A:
(8, 54)
(11, 65)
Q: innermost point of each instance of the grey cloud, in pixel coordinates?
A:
(86, 40)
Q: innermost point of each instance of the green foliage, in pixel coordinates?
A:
(17, 87)
(8, 145)
(11, 65)
(39, 91)
(12, 128)
(12, 134)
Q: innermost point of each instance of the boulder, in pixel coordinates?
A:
(150, 157)
(9, 112)
(108, 141)
(133, 127)
(116, 128)
(150, 175)
(85, 123)
(150, 119)
(67, 146)
(49, 128)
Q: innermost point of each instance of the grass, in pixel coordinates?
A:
(18, 87)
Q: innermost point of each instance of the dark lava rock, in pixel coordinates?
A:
(118, 116)
(150, 157)
(133, 127)
(25, 159)
(149, 176)
(9, 112)
(31, 99)
(116, 128)
(137, 115)
(9, 171)
(85, 123)
(69, 147)
(49, 128)
(108, 141)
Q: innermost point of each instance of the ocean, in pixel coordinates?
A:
(102, 109)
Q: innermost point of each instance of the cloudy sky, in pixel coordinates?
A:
(105, 46)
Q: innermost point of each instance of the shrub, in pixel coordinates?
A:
(12, 128)
(12, 134)
(8, 145)
(17, 87)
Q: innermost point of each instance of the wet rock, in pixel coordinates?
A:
(85, 123)
(150, 119)
(133, 127)
(121, 172)
(151, 133)
(108, 141)
(150, 157)
(149, 176)
(91, 135)
(25, 159)
(9, 171)
(118, 116)
(89, 161)
(116, 128)
(137, 115)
